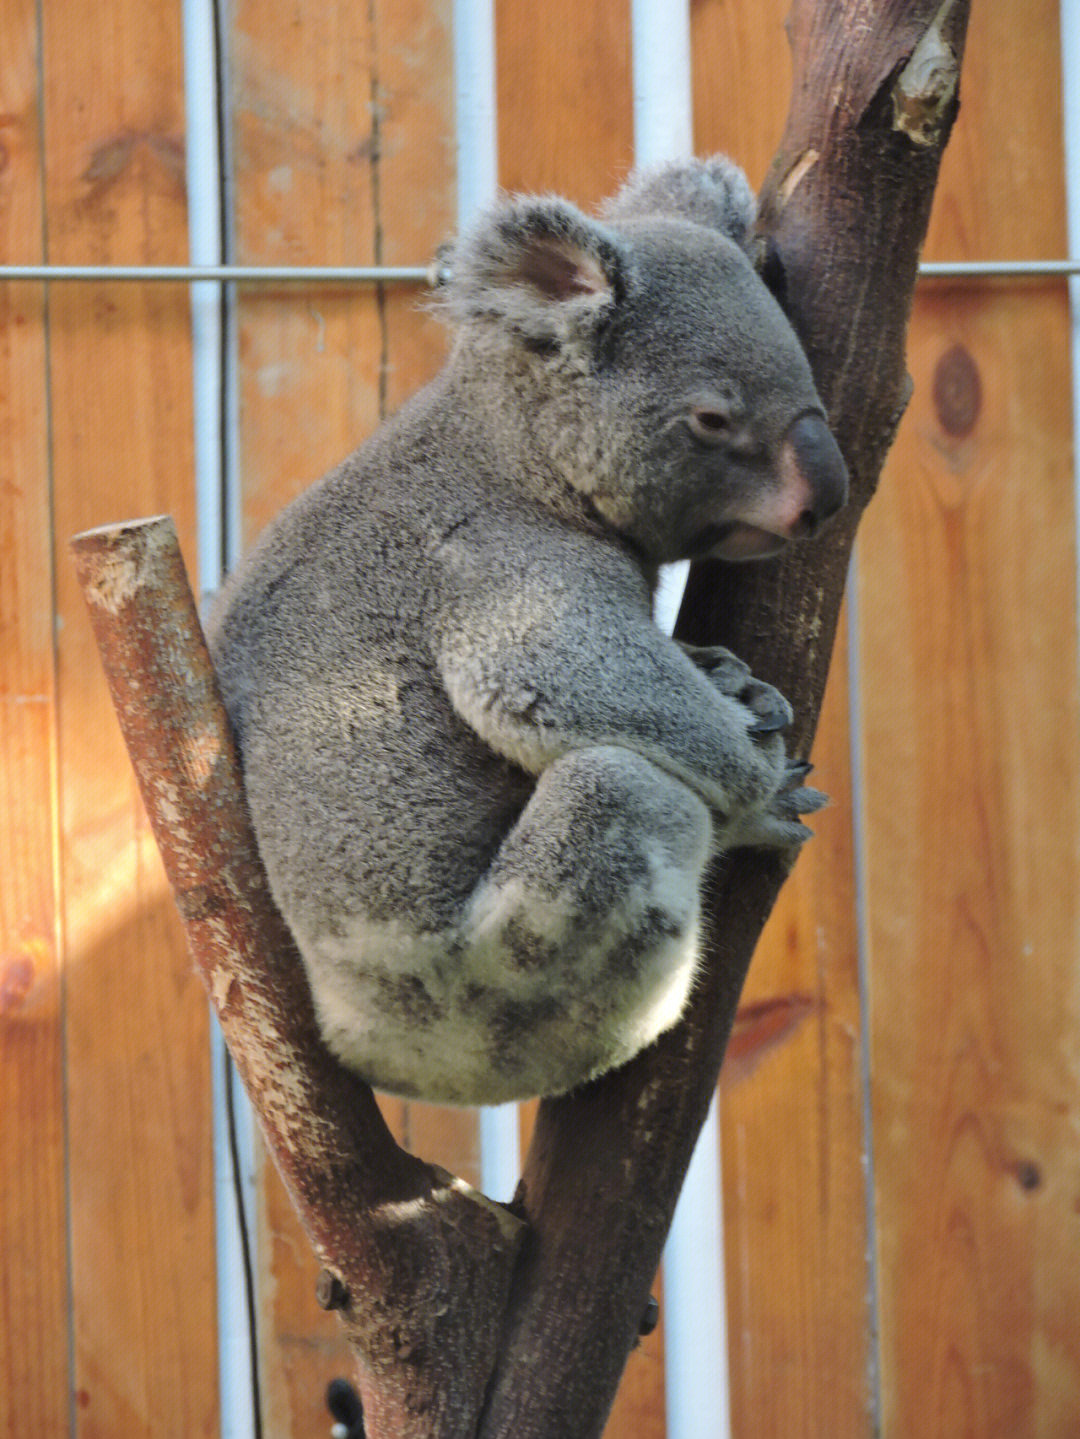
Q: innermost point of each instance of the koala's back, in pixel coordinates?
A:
(369, 796)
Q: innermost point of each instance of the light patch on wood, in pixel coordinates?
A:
(220, 984)
(201, 754)
(926, 84)
(167, 803)
(510, 1226)
(275, 1071)
(129, 562)
(796, 175)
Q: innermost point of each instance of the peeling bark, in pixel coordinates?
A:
(467, 1319)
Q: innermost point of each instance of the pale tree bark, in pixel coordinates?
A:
(468, 1318)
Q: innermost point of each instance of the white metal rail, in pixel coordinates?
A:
(427, 274)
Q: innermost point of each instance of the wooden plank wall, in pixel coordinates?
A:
(138, 1149)
(965, 701)
(109, 1306)
(33, 1235)
(967, 658)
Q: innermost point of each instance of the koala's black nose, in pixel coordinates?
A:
(810, 446)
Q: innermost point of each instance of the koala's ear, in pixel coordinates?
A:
(712, 192)
(538, 266)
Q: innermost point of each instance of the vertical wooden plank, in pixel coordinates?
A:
(967, 581)
(791, 1115)
(565, 118)
(565, 110)
(34, 1331)
(742, 80)
(791, 1128)
(304, 139)
(343, 138)
(142, 1248)
(413, 90)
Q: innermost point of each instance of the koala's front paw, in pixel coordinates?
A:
(778, 823)
(732, 676)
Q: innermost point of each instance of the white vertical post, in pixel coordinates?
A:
(695, 1312)
(474, 105)
(663, 130)
(663, 98)
(206, 236)
(477, 183)
(205, 229)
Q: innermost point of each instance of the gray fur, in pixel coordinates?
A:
(711, 192)
(485, 786)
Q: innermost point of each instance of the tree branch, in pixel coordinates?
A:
(422, 1262)
(844, 214)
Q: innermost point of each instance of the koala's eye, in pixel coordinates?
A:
(709, 425)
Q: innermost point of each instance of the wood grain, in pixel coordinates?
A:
(34, 1332)
(142, 1243)
(792, 1138)
(565, 110)
(343, 131)
(971, 797)
(969, 695)
(791, 1114)
(741, 80)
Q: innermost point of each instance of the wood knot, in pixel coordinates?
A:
(957, 392)
(16, 981)
(650, 1316)
(1028, 1175)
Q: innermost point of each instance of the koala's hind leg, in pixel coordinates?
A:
(580, 945)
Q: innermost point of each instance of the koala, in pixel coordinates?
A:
(484, 784)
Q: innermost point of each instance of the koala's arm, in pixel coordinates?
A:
(540, 658)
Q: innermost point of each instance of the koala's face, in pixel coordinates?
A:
(714, 437)
(659, 376)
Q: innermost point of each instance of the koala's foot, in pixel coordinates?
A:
(580, 945)
(778, 824)
(732, 676)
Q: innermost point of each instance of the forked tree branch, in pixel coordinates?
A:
(468, 1320)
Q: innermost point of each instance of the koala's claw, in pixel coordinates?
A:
(801, 800)
(732, 676)
(769, 723)
(778, 825)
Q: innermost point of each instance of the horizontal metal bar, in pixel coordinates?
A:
(421, 274)
(994, 269)
(248, 274)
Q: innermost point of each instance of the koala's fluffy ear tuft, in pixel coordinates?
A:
(538, 266)
(712, 192)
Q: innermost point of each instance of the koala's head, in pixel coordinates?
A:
(649, 365)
